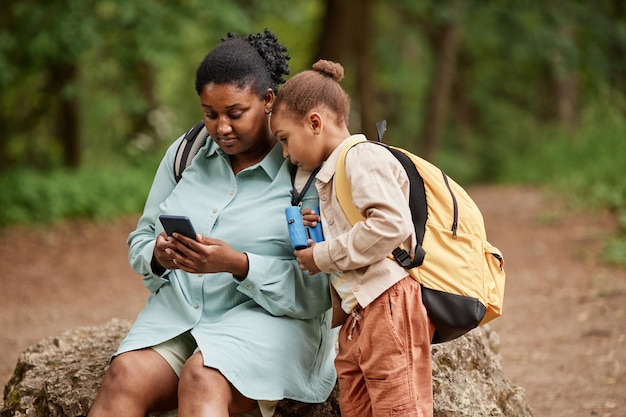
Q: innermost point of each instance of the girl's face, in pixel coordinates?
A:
(299, 140)
(236, 119)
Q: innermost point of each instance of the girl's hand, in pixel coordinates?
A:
(309, 218)
(305, 259)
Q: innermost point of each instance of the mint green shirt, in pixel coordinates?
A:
(269, 334)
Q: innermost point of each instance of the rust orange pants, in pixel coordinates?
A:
(384, 362)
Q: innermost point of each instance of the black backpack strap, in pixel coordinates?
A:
(296, 197)
(188, 148)
(417, 203)
(419, 211)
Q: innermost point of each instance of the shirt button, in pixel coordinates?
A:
(331, 221)
(214, 211)
(232, 193)
(200, 276)
(248, 287)
(196, 306)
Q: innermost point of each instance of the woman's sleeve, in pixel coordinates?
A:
(142, 240)
(283, 289)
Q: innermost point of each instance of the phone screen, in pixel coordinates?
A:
(177, 224)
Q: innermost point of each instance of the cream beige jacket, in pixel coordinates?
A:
(380, 190)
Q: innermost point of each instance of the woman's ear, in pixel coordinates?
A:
(269, 100)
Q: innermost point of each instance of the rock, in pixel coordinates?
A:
(59, 377)
(468, 379)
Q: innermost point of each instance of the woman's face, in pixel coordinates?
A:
(236, 118)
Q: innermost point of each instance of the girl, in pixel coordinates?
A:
(383, 363)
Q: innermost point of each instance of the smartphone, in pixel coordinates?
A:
(178, 224)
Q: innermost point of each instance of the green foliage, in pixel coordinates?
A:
(588, 163)
(615, 247)
(110, 42)
(31, 197)
(119, 51)
(136, 60)
(615, 250)
(585, 166)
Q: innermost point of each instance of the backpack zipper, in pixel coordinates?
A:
(455, 221)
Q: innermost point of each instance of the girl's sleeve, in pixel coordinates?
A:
(376, 179)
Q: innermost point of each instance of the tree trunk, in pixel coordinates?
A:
(336, 32)
(617, 49)
(67, 129)
(566, 92)
(365, 85)
(566, 86)
(4, 138)
(345, 37)
(465, 113)
(445, 44)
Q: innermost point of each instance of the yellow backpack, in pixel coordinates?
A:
(461, 273)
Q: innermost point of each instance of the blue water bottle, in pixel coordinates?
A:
(297, 233)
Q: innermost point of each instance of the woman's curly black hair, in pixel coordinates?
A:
(257, 61)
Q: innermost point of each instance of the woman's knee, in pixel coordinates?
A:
(120, 371)
(195, 373)
(209, 383)
(136, 371)
(136, 383)
(201, 384)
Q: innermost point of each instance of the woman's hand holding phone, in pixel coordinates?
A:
(197, 254)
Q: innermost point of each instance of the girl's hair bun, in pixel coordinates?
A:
(330, 69)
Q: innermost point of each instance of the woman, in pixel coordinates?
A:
(232, 324)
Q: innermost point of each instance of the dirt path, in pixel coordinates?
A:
(563, 332)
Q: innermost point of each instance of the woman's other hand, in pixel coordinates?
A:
(161, 254)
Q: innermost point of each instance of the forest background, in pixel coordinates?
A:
(493, 91)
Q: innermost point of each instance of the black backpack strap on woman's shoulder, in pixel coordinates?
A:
(296, 197)
(194, 139)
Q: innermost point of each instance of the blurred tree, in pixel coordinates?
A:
(616, 12)
(601, 43)
(560, 62)
(442, 27)
(40, 47)
(68, 60)
(448, 75)
(565, 80)
(128, 37)
(346, 36)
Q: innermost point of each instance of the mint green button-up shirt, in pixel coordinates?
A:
(268, 334)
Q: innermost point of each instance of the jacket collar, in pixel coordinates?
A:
(270, 164)
(328, 169)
